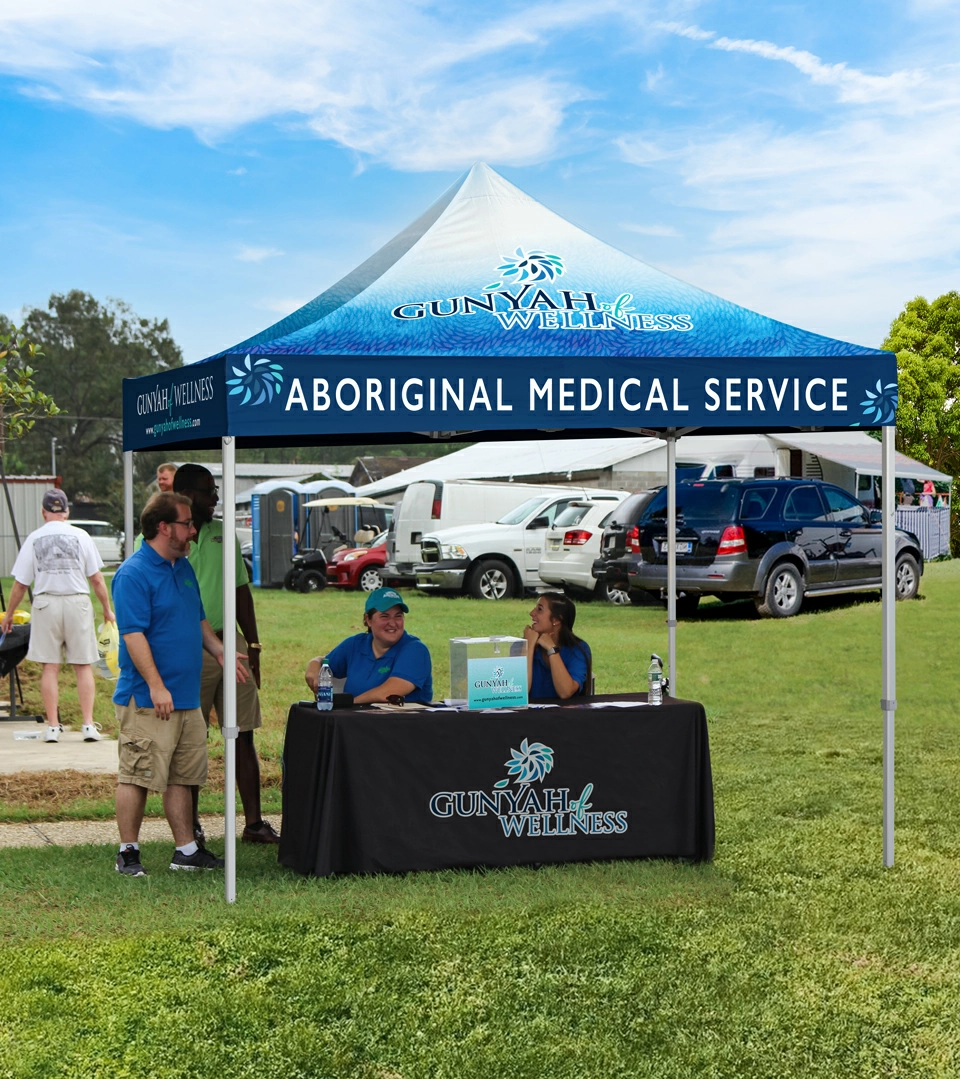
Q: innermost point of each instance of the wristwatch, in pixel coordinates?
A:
(551, 651)
(255, 645)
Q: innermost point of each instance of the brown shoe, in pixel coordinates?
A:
(263, 833)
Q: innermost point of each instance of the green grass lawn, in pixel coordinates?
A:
(794, 954)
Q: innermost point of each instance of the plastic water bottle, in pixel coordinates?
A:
(655, 680)
(324, 688)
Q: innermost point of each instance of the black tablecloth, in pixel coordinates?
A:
(369, 792)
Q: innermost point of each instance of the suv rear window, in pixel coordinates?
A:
(756, 502)
(572, 515)
(711, 503)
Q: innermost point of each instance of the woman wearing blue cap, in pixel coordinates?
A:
(386, 661)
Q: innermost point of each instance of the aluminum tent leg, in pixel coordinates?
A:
(672, 560)
(127, 503)
(228, 721)
(888, 702)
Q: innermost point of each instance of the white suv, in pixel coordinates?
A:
(573, 545)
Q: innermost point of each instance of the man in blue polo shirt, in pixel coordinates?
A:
(386, 661)
(163, 631)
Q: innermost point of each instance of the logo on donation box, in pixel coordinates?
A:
(528, 808)
(496, 683)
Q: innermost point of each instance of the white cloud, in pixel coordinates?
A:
(256, 254)
(854, 85)
(834, 224)
(694, 33)
(649, 230)
(241, 171)
(398, 82)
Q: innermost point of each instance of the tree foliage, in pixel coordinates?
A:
(926, 339)
(88, 349)
(21, 403)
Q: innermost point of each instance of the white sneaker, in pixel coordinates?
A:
(90, 732)
(53, 734)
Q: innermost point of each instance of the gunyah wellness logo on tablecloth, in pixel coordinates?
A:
(524, 810)
(535, 306)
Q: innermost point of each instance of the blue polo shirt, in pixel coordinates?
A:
(161, 600)
(409, 658)
(575, 658)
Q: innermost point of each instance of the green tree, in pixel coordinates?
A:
(21, 403)
(88, 349)
(926, 339)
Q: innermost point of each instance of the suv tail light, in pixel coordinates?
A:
(633, 540)
(576, 537)
(732, 541)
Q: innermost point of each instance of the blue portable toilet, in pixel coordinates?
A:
(275, 516)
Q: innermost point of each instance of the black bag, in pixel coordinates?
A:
(14, 647)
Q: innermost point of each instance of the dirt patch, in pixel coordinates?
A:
(57, 793)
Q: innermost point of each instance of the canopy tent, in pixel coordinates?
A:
(490, 316)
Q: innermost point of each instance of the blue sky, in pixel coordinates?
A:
(220, 163)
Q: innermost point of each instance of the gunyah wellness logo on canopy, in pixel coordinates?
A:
(522, 300)
(547, 812)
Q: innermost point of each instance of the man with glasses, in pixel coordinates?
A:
(164, 636)
(206, 557)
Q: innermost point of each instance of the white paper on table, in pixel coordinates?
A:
(619, 704)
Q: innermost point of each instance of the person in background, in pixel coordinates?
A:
(206, 557)
(163, 637)
(63, 563)
(384, 662)
(165, 474)
(559, 663)
(926, 498)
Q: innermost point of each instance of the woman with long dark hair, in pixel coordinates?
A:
(559, 663)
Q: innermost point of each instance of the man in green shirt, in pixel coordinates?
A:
(206, 557)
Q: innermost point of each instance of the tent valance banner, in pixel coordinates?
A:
(491, 312)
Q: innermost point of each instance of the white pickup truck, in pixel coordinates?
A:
(500, 560)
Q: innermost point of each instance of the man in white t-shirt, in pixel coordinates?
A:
(63, 562)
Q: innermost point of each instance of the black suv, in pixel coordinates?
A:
(772, 540)
(620, 539)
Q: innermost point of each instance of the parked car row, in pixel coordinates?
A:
(774, 541)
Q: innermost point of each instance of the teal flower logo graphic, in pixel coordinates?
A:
(528, 266)
(880, 406)
(528, 764)
(257, 380)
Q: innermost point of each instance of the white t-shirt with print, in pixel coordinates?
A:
(58, 558)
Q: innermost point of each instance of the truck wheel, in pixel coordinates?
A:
(492, 579)
(783, 594)
(370, 580)
(312, 581)
(907, 577)
(290, 580)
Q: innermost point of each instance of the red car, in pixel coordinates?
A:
(359, 567)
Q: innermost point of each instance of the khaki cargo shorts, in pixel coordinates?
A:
(62, 624)
(158, 753)
(249, 716)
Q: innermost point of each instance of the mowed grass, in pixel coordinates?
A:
(794, 954)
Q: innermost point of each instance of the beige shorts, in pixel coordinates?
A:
(62, 625)
(249, 716)
(158, 753)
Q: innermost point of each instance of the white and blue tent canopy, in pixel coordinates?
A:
(491, 313)
(491, 316)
